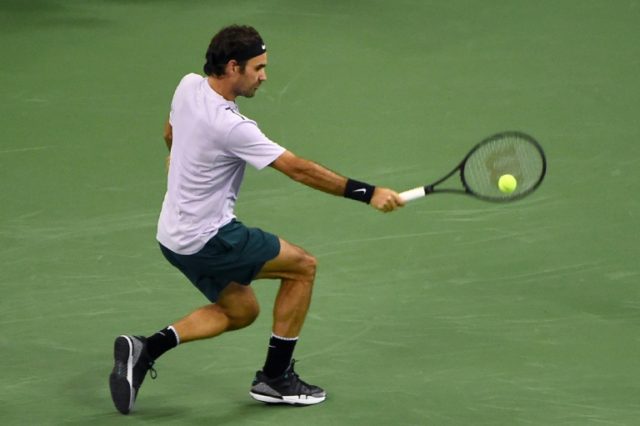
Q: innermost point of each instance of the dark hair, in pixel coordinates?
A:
(239, 42)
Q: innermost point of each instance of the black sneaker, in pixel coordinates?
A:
(131, 365)
(286, 389)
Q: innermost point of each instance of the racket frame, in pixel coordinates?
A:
(425, 190)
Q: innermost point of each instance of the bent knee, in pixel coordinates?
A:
(238, 322)
(249, 318)
(243, 316)
(308, 266)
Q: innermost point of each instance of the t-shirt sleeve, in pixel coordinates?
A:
(246, 141)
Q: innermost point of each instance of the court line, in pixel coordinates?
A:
(35, 148)
(50, 318)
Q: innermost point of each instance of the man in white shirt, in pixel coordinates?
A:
(210, 144)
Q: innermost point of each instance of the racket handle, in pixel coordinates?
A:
(413, 194)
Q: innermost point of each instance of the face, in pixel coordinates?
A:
(251, 78)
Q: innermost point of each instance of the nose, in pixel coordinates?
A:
(263, 76)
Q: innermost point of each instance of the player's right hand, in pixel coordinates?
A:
(386, 200)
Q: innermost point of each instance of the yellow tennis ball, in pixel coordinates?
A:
(507, 184)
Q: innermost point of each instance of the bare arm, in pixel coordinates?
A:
(310, 174)
(168, 140)
(168, 135)
(318, 177)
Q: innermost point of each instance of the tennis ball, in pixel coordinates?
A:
(507, 184)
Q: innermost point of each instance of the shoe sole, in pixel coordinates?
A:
(289, 400)
(122, 392)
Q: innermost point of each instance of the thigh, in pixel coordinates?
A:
(291, 262)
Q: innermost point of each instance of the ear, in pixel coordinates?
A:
(231, 67)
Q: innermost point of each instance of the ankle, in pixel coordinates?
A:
(279, 355)
(162, 341)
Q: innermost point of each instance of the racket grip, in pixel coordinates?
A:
(413, 194)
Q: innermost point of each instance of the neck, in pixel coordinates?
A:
(221, 87)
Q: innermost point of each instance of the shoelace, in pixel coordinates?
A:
(152, 371)
(291, 372)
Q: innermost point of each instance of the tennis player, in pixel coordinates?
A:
(210, 143)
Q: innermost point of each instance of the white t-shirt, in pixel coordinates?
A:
(212, 142)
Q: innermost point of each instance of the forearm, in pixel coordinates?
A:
(309, 173)
(319, 177)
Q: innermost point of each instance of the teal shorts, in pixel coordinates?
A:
(235, 254)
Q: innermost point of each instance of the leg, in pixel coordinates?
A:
(277, 383)
(236, 308)
(297, 269)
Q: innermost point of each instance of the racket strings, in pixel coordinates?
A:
(508, 154)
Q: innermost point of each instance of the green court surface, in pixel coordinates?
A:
(452, 311)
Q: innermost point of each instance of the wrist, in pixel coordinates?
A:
(359, 191)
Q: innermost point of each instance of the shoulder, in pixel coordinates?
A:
(187, 85)
(234, 117)
(190, 80)
(241, 132)
(238, 123)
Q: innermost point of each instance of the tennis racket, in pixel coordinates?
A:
(507, 153)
